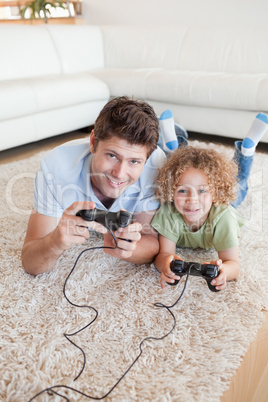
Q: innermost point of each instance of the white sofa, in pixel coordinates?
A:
(46, 87)
(54, 79)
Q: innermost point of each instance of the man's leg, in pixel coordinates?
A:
(244, 167)
(244, 153)
(172, 135)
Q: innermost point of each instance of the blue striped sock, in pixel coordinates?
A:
(167, 129)
(256, 132)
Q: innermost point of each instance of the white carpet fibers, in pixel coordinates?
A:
(194, 363)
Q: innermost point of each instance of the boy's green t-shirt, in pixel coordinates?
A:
(220, 231)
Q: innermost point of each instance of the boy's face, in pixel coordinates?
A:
(193, 198)
(116, 165)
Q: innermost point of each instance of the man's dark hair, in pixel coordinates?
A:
(131, 120)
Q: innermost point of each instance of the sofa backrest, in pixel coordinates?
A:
(142, 47)
(189, 48)
(30, 51)
(79, 47)
(26, 51)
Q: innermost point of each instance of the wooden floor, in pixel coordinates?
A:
(250, 382)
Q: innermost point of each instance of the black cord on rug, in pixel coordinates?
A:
(51, 390)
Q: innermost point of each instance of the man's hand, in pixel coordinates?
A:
(73, 229)
(143, 246)
(48, 237)
(126, 238)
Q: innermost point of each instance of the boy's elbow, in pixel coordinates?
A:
(237, 268)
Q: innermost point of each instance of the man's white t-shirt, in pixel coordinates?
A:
(64, 177)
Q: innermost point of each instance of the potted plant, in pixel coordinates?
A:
(40, 8)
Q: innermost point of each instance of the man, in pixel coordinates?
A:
(114, 170)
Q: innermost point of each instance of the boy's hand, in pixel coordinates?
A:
(166, 274)
(220, 282)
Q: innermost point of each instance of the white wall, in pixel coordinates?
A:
(199, 12)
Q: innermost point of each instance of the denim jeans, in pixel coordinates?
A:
(244, 167)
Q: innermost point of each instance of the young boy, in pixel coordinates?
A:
(195, 188)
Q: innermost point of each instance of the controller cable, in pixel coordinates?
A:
(51, 390)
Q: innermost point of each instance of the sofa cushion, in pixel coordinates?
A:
(26, 51)
(16, 99)
(80, 48)
(126, 81)
(34, 127)
(34, 95)
(193, 88)
(68, 90)
(218, 90)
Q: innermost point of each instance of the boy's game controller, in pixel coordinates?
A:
(207, 271)
(111, 220)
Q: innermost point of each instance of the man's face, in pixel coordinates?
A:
(116, 164)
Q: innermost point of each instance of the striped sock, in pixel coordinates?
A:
(167, 129)
(256, 132)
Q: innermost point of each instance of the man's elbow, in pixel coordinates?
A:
(29, 262)
(149, 250)
(25, 264)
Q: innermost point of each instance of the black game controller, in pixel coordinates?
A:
(207, 271)
(111, 220)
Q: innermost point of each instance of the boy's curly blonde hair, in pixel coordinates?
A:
(221, 173)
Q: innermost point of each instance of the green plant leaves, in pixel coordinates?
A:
(40, 8)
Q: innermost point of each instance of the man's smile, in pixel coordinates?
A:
(115, 183)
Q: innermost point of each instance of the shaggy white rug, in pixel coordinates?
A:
(194, 363)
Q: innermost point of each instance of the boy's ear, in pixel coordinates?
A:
(214, 199)
(214, 202)
(92, 142)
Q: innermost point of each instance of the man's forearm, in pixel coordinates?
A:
(38, 256)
